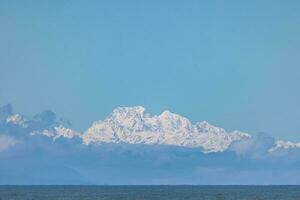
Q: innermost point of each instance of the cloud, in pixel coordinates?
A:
(257, 146)
(6, 142)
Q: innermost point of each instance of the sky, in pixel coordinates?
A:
(232, 63)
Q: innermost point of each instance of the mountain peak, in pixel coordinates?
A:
(173, 121)
(166, 112)
(135, 110)
(17, 119)
(204, 124)
(126, 117)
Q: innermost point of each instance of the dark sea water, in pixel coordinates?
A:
(150, 192)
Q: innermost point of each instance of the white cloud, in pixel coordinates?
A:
(6, 142)
(256, 146)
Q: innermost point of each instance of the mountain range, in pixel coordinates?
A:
(131, 146)
(133, 125)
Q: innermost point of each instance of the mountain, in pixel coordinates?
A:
(132, 147)
(57, 132)
(133, 125)
(281, 144)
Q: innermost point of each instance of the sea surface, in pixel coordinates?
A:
(149, 192)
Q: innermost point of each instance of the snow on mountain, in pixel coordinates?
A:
(44, 123)
(280, 144)
(132, 125)
(17, 119)
(57, 132)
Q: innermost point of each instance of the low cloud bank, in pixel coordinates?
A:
(6, 142)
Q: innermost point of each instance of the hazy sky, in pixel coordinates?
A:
(232, 63)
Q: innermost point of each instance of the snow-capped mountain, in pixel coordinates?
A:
(133, 125)
(44, 124)
(281, 144)
(57, 132)
(17, 119)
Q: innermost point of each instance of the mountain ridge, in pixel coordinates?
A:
(133, 125)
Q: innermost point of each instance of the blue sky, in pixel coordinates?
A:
(232, 63)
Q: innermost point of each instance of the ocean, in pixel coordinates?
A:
(149, 192)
